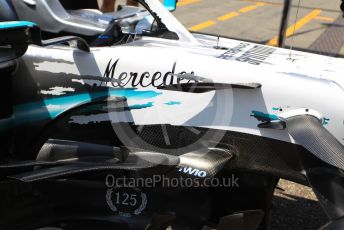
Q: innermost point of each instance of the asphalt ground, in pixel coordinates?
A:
(259, 20)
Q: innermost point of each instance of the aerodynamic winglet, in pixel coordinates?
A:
(203, 87)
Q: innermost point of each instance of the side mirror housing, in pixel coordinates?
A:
(15, 37)
(171, 5)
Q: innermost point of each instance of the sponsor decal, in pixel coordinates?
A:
(229, 54)
(193, 171)
(254, 56)
(144, 79)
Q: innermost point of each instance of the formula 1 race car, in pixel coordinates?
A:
(162, 129)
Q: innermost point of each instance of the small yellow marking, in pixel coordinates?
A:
(230, 15)
(187, 2)
(225, 17)
(261, 4)
(324, 18)
(303, 21)
(247, 9)
(266, 3)
(202, 25)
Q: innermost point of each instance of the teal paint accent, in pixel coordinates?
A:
(173, 103)
(170, 4)
(326, 121)
(52, 107)
(16, 24)
(264, 116)
(30, 112)
(141, 106)
(275, 108)
(5, 124)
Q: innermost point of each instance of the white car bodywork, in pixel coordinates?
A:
(299, 80)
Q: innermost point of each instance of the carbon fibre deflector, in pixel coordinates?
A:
(59, 158)
(311, 134)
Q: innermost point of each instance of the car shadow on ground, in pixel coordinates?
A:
(294, 212)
